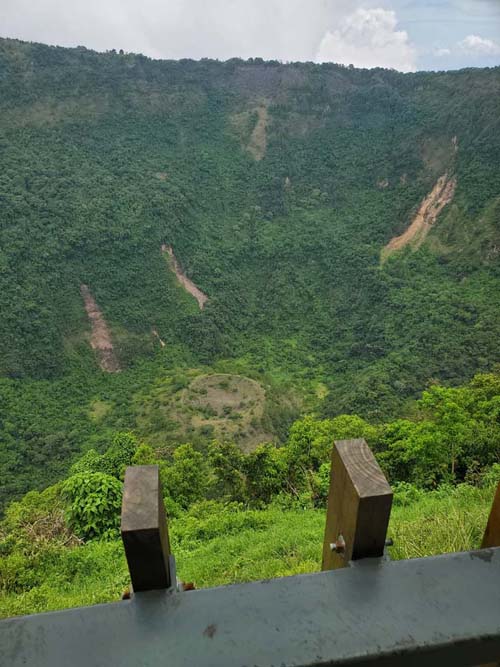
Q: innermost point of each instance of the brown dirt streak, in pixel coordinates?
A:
(100, 339)
(441, 194)
(186, 282)
(258, 140)
(217, 398)
(156, 335)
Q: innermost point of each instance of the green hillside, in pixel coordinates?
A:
(221, 267)
(243, 546)
(240, 517)
(107, 157)
(278, 187)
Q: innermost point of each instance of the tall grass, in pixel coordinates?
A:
(215, 547)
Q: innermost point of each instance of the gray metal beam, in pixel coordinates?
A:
(443, 610)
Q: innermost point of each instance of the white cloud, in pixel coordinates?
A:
(475, 45)
(369, 38)
(362, 32)
(469, 50)
(282, 29)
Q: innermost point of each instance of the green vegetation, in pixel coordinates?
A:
(277, 186)
(214, 545)
(106, 157)
(94, 501)
(237, 517)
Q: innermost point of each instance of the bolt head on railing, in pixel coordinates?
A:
(339, 545)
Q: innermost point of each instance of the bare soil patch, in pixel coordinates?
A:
(156, 335)
(258, 140)
(441, 195)
(252, 135)
(186, 282)
(100, 339)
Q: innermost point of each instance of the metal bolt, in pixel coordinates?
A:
(339, 545)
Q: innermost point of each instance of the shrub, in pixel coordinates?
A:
(492, 476)
(94, 504)
(119, 455)
(187, 479)
(265, 470)
(321, 485)
(227, 461)
(144, 456)
(91, 461)
(35, 520)
(405, 494)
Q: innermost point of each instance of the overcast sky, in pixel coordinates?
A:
(403, 34)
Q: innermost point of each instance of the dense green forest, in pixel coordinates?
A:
(277, 186)
(235, 516)
(344, 226)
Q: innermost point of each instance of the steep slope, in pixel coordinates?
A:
(278, 186)
(186, 282)
(101, 337)
(427, 214)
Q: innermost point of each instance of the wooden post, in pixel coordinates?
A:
(359, 506)
(491, 538)
(144, 529)
(492, 533)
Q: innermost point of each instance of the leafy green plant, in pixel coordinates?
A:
(187, 479)
(266, 472)
(94, 504)
(91, 461)
(491, 476)
(405, 494)
(119, 454)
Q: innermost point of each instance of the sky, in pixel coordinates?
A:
(406, 35)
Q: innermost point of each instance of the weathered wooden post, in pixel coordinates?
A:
(359, 506)
(491, 538)
(492, 533)
(144, 529)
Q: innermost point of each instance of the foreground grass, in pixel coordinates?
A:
(214, 547)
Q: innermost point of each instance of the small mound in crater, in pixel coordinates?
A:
(230, 406)
(190, 407)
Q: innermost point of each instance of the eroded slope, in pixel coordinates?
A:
(186, 282)
(430, 208)
(100, 339)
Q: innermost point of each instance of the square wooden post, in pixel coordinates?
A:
(491, 538)
(359, 506)
(492, 533)
(144, 529)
